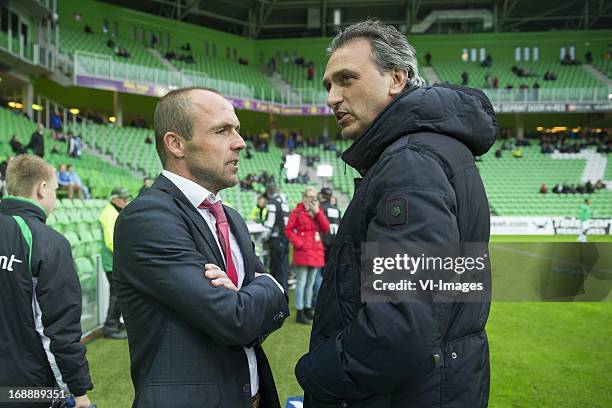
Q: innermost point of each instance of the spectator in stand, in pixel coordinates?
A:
(310, 71)
(543, 189)
(56, 125)
(65, 182)
(148, 140)
(76, 179)
(286, 58)
(498, 153)
(487, 62)
(16, 145)
(464, 78)
(557, 189)
(186, 47)
(428, 59)
(110, 43)
(600, 185)
(75, 146)
(306, 223)
(88, 30)
(271, 66)
(588, 57)
(147, 182)
(567, 60)
(517, 153)
(37, 141)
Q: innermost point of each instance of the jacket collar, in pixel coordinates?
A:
(462, 113)
(24, 207)
(166, 185)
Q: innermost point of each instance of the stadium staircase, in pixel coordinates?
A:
(430, 75)
(592, 70)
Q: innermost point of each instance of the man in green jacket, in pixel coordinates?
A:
(585, 216)
(119, 199)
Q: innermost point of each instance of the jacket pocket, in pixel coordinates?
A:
(348, 280)
(466, 372)
(181, 395)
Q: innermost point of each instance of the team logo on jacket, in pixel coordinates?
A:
(6, 263)
(397, 211)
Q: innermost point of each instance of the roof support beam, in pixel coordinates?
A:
(544, 14)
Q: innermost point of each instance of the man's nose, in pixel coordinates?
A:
(334, 97)
(238, 143)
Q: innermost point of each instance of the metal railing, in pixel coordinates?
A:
(104, 66)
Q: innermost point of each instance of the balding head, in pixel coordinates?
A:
(174, 114)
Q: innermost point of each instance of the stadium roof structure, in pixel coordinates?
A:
(315, 18)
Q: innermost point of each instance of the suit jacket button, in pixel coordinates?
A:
(344, 404)
(246, 387)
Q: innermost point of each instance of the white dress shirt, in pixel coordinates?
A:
(196, 194)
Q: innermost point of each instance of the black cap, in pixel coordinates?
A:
(326, 191)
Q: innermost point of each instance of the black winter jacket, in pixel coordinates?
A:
(40, 306)
(421, 148)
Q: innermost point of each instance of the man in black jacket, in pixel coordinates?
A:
(40, 295)
(274, 234)
(37, 141)
(414, 145)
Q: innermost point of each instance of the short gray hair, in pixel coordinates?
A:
(390, 48)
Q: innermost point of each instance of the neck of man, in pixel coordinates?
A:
(183, 171)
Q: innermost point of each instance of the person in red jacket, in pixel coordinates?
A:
(306, 223)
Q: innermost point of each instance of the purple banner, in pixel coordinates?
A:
(239, 103)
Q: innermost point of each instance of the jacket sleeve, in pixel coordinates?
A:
(387, 344)
(108, 229)
(322, 220)
(169, 268)
(58, 304)
(292, 224)
(270, 220)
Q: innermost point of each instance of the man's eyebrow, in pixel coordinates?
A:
(338, 74)
(223, 125)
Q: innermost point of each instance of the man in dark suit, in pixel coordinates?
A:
(195, 336)
(37, 141)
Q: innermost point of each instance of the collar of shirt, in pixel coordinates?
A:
(194, 192)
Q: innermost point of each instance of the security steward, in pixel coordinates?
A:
(40, 294)
(120, 196)
(274, 234)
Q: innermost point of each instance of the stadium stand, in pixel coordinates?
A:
(73, 40)
(573, 76)
(225, 69)
(95, 172)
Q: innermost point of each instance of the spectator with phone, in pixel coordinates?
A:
(306, 224)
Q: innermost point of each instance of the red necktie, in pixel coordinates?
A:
(216, 210)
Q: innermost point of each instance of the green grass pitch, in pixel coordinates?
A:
(554, 355)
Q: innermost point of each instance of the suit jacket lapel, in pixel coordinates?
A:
(168, 187)
(236, 224)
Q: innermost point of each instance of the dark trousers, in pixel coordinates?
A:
(279, 260)
(114, 313)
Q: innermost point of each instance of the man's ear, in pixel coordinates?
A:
(174, 144)
(42, 189)
(398, 79)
